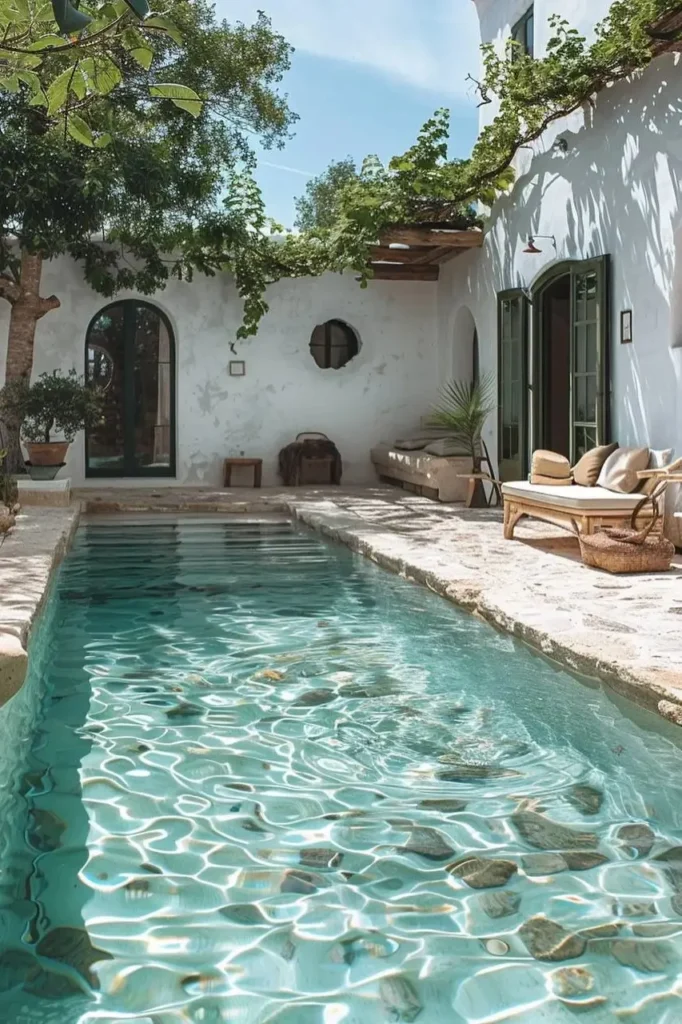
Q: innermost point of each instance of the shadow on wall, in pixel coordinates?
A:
(628, 206)
(464, 361)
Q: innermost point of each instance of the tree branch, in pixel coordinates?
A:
(47, 305)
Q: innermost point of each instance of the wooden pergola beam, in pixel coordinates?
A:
(439, 239)
(439, 255)
(405, 272)
(383, 252)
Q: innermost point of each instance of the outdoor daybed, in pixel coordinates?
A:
(589, 508)
(603, 489)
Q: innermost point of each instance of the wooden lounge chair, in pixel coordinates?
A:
(589, 508)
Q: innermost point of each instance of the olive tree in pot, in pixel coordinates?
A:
(51, 412)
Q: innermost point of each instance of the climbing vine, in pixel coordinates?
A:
(424, 186)
(58, 83)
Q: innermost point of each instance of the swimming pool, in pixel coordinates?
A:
(265, 781)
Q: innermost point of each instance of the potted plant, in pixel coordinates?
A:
(462, 411)
(51, 412)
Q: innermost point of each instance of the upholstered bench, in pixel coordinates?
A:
(589, 508)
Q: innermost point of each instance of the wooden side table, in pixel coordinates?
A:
(255, 464)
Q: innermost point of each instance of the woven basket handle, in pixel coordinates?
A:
(657, 493)
(311, 435)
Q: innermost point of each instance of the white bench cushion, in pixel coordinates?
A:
(572, 496)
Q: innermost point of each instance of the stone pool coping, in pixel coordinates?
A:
(625, 631)
(29, 556)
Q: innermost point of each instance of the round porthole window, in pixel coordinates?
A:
(333, 345)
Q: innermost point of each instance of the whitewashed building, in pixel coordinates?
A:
(182, 394)
(584, 334)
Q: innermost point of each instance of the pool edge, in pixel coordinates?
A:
(637, 685)
(31, 556)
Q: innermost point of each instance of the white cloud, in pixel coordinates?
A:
(430, 44)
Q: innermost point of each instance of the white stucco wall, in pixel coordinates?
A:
(385, 389)
(617, 191)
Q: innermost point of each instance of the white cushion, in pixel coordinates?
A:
(660, 458)
(572, 496)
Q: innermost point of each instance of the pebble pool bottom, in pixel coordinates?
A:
(269, 782)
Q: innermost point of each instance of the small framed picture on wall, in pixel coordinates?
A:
(626, 326)
(237, 368)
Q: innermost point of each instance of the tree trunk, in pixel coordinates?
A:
(27, 309)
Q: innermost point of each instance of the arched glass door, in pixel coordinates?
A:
(130, 354)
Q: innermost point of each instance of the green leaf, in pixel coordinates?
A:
(80, 130)
(38, 99)
(143, 55)
(138, 47)
(102, 74)
(102, 141)
(58, 91)
(45, 41)
(181, 95)
(77, 84)
(9, 83)
(168, 26)
(30, 79)
(44, 13)
(15, 11)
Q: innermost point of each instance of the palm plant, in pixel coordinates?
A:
(462, 411)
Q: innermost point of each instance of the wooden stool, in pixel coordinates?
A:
(255, 464)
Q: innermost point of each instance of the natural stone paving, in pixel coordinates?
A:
(624, 629)
(28, 556)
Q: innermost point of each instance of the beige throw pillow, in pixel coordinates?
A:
(552, 464)
(550, 481)
(619, 472)
(586, 470)
(411, 444)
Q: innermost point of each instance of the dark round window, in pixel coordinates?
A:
(333, 345)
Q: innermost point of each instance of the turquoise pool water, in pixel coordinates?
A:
(267, 782)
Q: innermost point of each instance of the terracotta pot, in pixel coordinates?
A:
(52, 453)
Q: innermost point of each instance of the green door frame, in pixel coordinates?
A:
(601, 265)
(130, 468)
(508, 469)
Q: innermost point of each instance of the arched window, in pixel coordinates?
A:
(130, 355)
(333, 345)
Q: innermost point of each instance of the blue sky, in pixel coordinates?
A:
(365, 76)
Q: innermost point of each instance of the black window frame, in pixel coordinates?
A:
(523, 33)
(351, 338)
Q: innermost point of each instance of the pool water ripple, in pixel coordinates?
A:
(270, 784)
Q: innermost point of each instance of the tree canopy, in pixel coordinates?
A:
(131, 181)
(319, 206)
(143, 184)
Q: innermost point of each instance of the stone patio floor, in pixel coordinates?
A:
(625, 630)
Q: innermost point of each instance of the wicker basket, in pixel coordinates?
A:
(630, 550)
